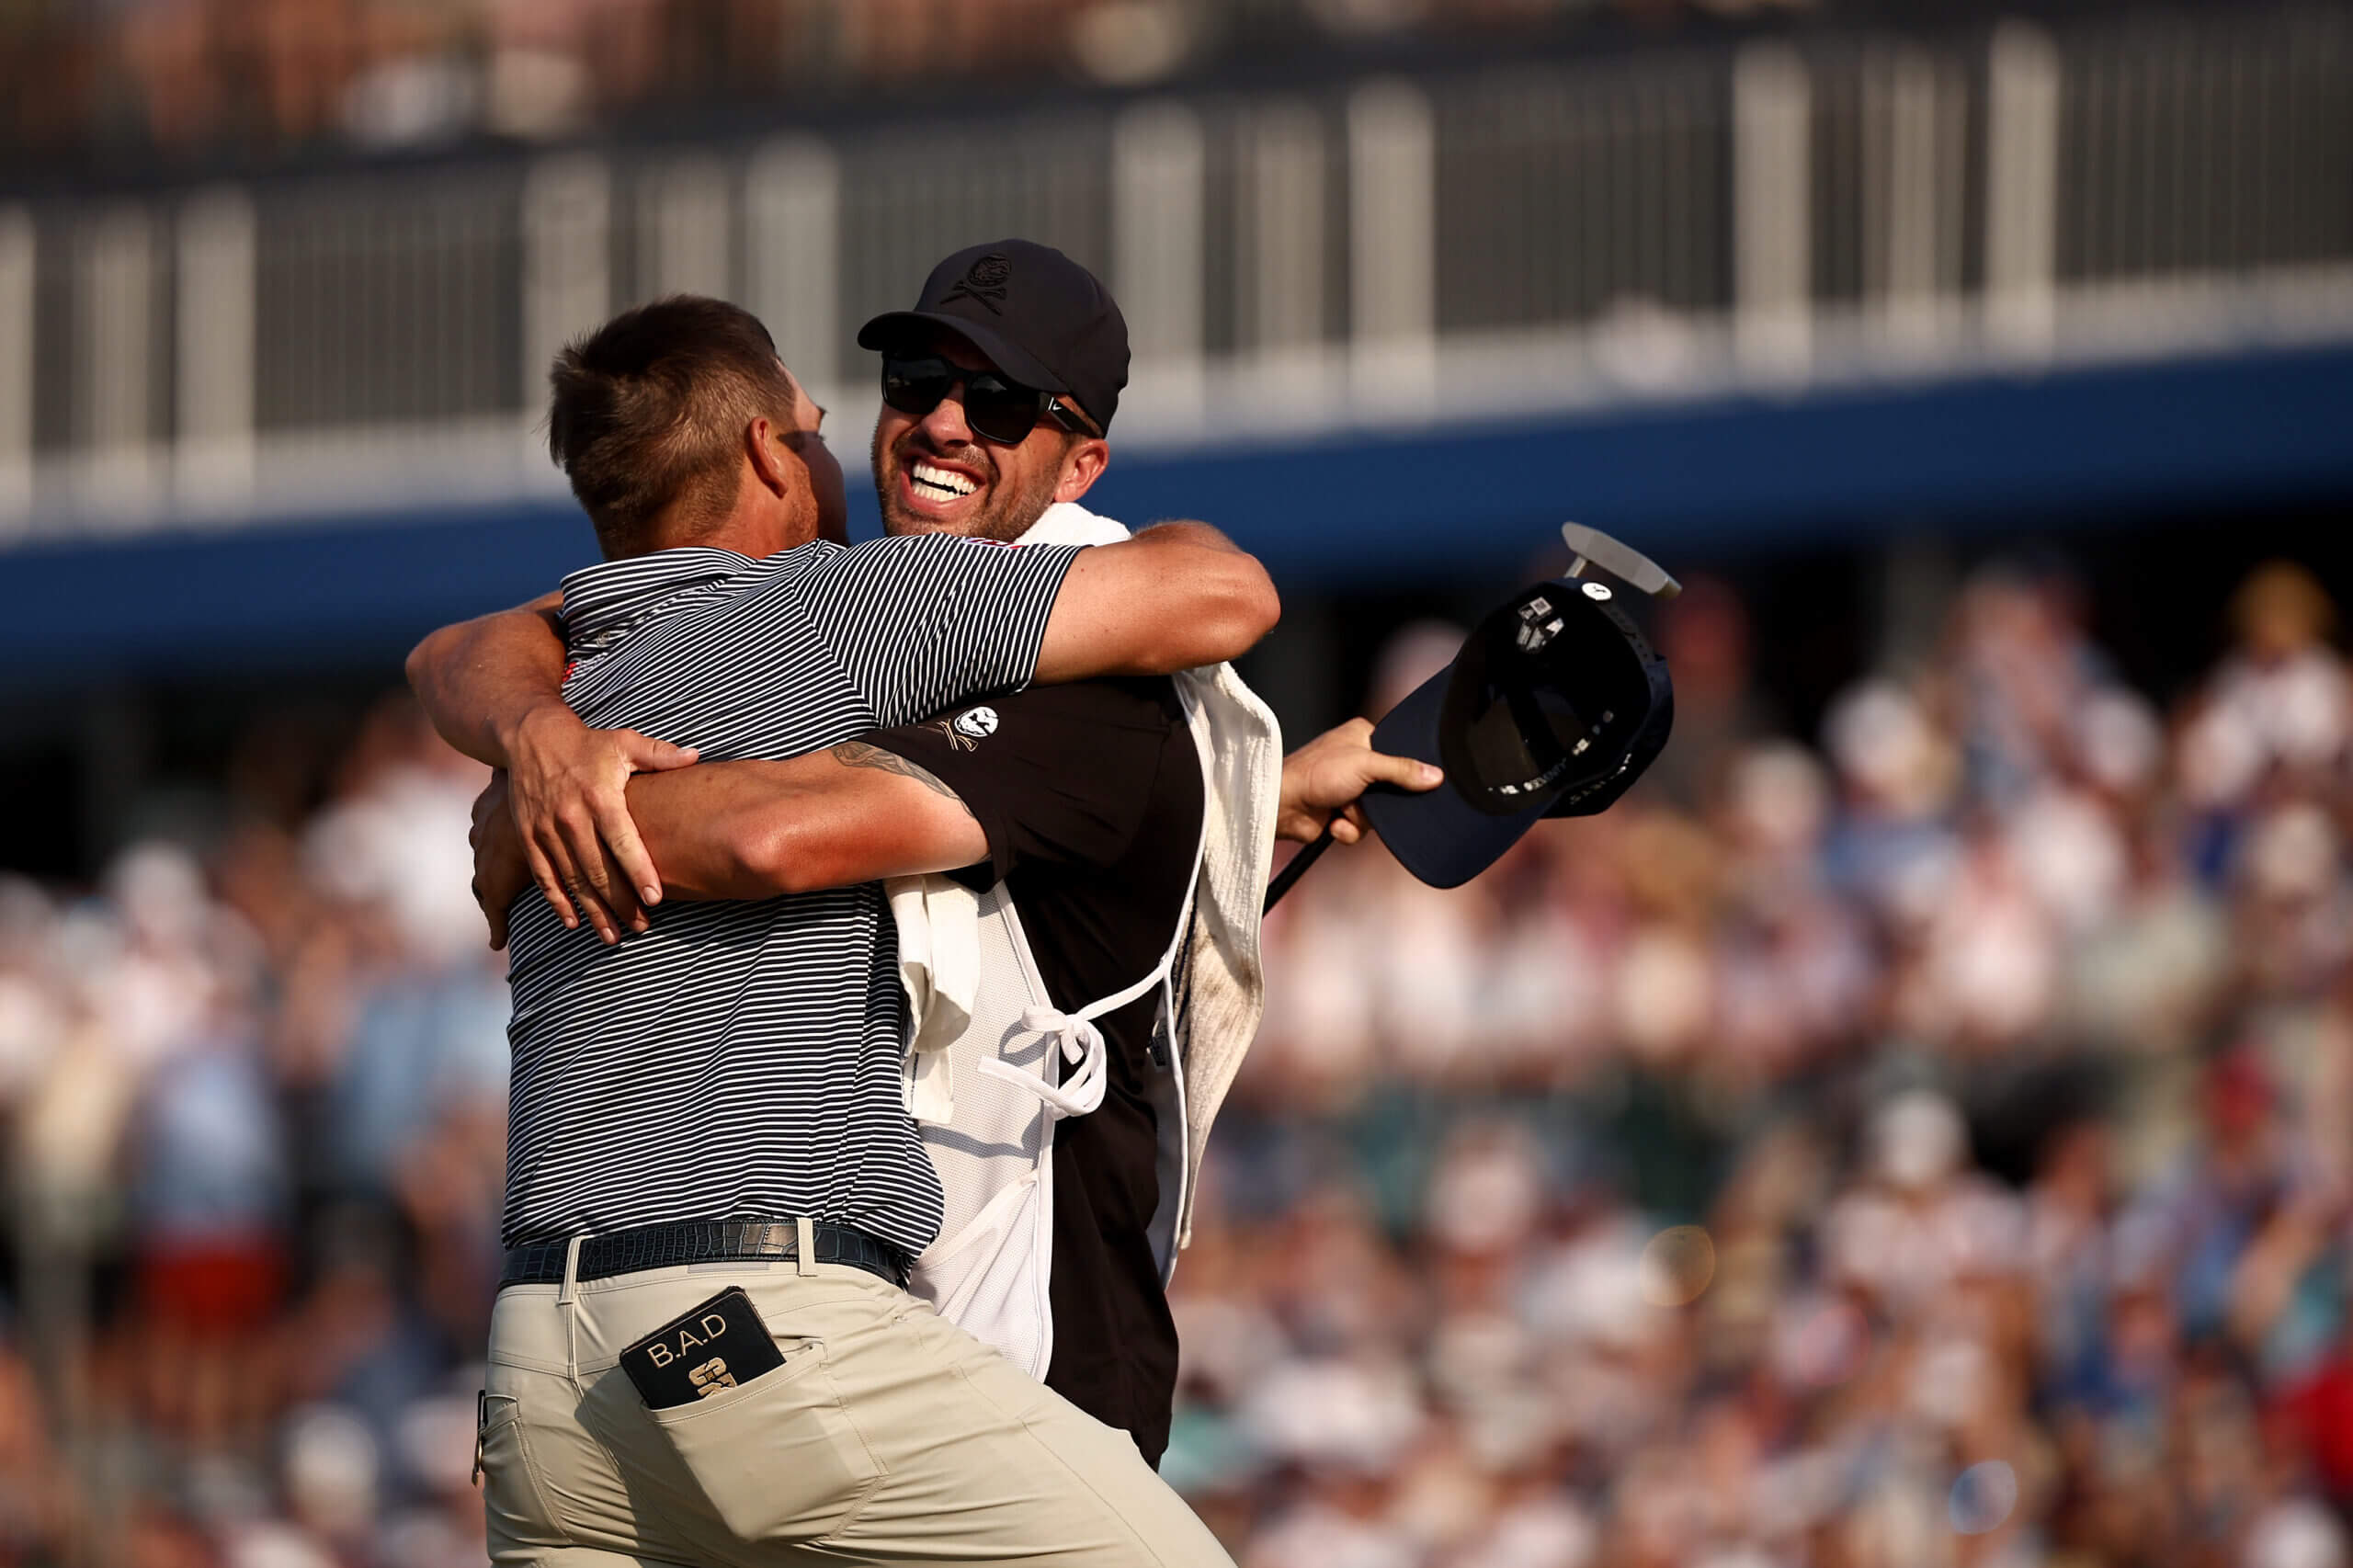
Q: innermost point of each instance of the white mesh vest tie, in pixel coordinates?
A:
(1082, 1045)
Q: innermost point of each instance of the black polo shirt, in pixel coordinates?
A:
(1091, 798)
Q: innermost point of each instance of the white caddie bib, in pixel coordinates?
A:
(993, 1063)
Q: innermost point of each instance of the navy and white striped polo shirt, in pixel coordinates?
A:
(744, 1059)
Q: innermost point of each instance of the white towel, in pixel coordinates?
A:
(939, 968)
(1242, 750)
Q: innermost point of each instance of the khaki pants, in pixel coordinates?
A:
(888, 1436)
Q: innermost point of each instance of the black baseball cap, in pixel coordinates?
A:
(1036, 314)
(1554, 708)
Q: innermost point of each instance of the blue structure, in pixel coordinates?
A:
(2050, 451)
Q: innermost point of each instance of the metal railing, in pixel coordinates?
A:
(1529, 236)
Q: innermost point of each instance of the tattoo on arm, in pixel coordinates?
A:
(858, 753)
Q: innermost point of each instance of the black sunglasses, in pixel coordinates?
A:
(999, 408)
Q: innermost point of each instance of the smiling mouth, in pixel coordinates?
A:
(936, 484)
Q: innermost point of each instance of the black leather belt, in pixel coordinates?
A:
(702, 1241)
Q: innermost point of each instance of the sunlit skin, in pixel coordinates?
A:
(799, 439)
(1012, 484)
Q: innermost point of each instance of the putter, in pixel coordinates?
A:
(1591, 547)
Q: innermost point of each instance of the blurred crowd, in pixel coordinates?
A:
(203, 79)
(256, 1111)
(1927, 1147)
(1933, 1148)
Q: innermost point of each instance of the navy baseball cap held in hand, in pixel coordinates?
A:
(1037, 315)
(1554, 708)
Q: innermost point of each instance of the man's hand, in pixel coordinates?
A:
(501, 874)
(568, 788)
(1323, 779)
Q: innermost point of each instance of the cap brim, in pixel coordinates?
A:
(998, 350)
(1439, 837)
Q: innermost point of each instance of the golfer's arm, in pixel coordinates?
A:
(748, 830)
(1175, 598)
(480, 679)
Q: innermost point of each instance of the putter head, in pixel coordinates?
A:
(1628, 565)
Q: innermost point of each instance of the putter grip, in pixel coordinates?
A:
(1297, 869)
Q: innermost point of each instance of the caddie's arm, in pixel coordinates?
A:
(1175, 597)
(480, 679)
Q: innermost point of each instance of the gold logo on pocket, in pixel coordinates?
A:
(710, 1377)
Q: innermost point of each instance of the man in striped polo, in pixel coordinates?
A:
(701, 1350)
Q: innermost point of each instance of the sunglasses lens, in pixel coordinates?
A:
(915, 386)
(1000, 410)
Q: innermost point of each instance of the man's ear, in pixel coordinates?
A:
(1082, 466)
(761, 445)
